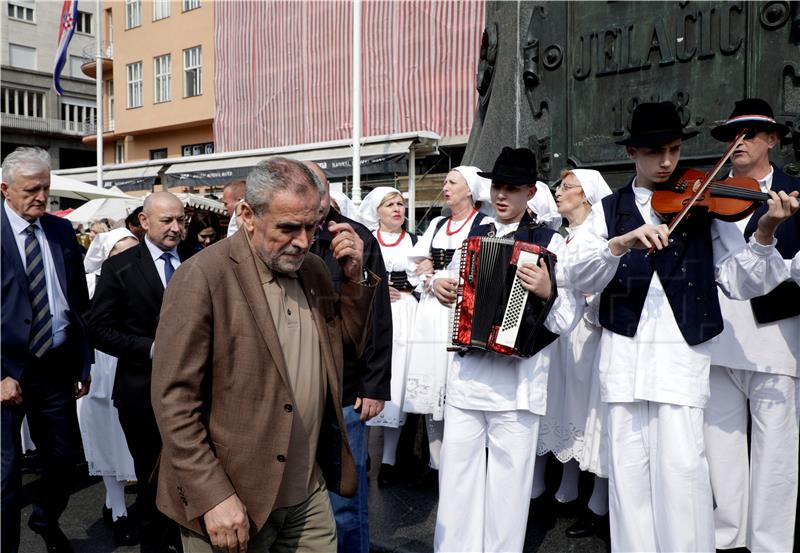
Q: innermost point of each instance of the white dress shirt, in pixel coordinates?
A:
(657, 364)
(749, 345)
(157, 252)
(796, 268)
(56, 298)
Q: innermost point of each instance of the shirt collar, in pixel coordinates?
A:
(157, 252)
(18, 224)
(642, 194)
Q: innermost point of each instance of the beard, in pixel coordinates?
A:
(286, 260)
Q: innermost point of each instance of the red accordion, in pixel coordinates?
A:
(493, 311)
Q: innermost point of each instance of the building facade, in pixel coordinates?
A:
(158, 79)
(31, 114)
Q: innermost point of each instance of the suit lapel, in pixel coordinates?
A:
(147, 268)
(56, 252)
(10, 250)
(247, 275)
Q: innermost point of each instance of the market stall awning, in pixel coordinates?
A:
(384, 157)
(127, 179)
(72, 187)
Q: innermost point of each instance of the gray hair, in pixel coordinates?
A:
(275, 174)
(22, 157)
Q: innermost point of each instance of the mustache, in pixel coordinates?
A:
(292, 250)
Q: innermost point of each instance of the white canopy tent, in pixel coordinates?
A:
(114, 209)
(70, 188)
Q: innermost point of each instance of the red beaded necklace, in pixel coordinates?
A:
(385, 245)
(452, 232)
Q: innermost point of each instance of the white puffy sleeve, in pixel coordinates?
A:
(566, 310)
(592, 265)
(796, 268)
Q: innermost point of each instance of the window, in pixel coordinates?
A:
(192, 72)
(20, 56)
(84, 23)
(21, 10)
(198, 149)
(161, 153)
(134, 84)
(190, 5)
(133, 13)
(110, 96)
(27, 103)
(160, 9)
(163, 78)
(78, 115)
(75, 63)
(119, 152)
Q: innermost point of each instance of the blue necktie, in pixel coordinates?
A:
(168, 268)
(42, 326)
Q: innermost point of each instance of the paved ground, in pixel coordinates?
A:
(401, 520)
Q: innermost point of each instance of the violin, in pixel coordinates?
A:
(730, 199)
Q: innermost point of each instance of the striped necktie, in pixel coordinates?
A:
(42, 326)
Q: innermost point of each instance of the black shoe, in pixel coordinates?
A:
(387, 476)
(543, 511)
(587, 526)
(107, 519)
(125, 532)
(54, 539)
(428, 479)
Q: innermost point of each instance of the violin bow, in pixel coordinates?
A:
(703, 186)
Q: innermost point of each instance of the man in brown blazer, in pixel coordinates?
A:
(247, 375)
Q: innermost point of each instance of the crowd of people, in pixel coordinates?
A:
(236, 377)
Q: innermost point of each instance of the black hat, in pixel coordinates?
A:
(515, 166)
(751, 113)
(655, 124)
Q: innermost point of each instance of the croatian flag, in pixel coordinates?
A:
(66, 28)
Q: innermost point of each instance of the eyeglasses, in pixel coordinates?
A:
(566, 186)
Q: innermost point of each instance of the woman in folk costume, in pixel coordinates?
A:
(573, 426)
(383, 211)
(430, 335)
(104, 443)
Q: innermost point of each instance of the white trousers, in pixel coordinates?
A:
(659, 487)
(484, 499)
(755, 499)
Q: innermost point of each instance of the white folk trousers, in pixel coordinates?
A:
(484, 499)
(659, 487)
(755, 499)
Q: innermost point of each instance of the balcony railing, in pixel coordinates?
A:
(106, 51)
(56, 126)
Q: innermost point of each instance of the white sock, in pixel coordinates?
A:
(391, 437)
(538, 476)
(568, 489)
(598, 503)
(115, 497)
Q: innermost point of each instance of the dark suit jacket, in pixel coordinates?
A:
(220, 390)
(123, 320)
(16, 304)
(367, 375)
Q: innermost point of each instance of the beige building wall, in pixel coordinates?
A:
(174, 123)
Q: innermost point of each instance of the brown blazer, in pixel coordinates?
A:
(219, 385)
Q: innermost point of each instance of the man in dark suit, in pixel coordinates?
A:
(367, 376)
(45, 353)
(122, 323)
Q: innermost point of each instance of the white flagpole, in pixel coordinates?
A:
(99, 89)
(356, 107)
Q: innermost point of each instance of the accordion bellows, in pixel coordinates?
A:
(493, 311)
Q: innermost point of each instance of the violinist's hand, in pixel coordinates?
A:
(445, 290)
(781, 206)
(535, 279)
(424, 267)
(642, 238)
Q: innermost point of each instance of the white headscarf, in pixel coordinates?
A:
(345, 204)
(544, 207)
(479, 187)
(98, 252)
(368, 210)
(594, 185)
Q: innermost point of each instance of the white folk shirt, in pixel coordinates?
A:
(796, 268)
(489, 381)
(442, 240)
(657, 364)
(748, 345)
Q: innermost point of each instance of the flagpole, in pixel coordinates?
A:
(356, 107)
(99, 90)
